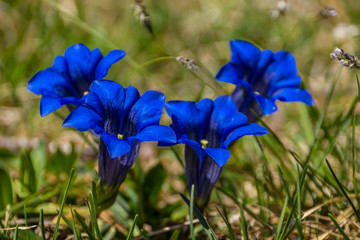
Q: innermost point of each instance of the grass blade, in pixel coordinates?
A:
(358, 84)
(282, 215)
(73, 224)
(16, 233)
(62, 204)
(175, 235)
(346, 237)
(243, 222)
(83, 224)
(144, 234)
(25, 216)
(201, 218)
(42, 227)
(343, 190)
(298, 216)
(67, 221)
(232, 236)
(192, 212)
(131, 231)
(92, 209)
(356, 190)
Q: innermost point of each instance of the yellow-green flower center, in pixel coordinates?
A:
(120, 136)
(204, 142)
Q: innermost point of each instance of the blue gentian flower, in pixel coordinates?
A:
(261, 78)
(207, 128)
(70, 76)
(123, 120)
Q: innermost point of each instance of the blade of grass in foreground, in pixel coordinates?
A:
(343, 190)
(192, 212)
(201, 218)
(25, 216)
(278, 229)
(75, 231)
(62, 204)
(243, 221)
(83, 224)
(232, 236)
(26, 222)
(92, 209)
(298, 216)
(16, 233)
(346, 237)
(285, 233)
(42, 227)
(131, 232)
(353, 160)
(175, 235)
(144, 234)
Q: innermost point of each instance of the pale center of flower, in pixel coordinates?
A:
(120, 136)
(86, 92)
(255, 92)
(204, 142)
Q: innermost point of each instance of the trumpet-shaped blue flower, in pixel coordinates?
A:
(70, 76)
(123, 120)
(261, 78)
(207, 128)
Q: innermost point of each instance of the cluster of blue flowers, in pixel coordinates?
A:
(122, 119)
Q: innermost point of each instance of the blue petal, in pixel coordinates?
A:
(201, 154)
(95, 58)
(244, 53)
(267, 106)
(104, 65)
(93, 102)
(228, 73)
(156, 133)
(287, 64)
(116, 147)
(113, 96)
(83, 119)
(225, 118)
(219, 155)
(284, 66)
(147, 110)
(116, 102)
(224, 109)
(78, 59)
(265, 59)
(251, 129)
(293, 82)
(190, 118)
(294, 95)
(131, 96)
(50, 104)
(60, 66)
(48, 82)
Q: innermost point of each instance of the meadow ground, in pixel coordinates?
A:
(298, 182)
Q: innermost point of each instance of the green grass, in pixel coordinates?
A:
(309, 158)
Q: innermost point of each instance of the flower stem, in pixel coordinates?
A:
(142, 66)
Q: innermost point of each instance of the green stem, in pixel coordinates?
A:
(138, 68)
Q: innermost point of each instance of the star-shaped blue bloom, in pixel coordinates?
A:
(261, 78)
(207, 128)
(70, 76)
(123, 120)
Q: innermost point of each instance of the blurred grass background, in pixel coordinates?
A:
(33, 33)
